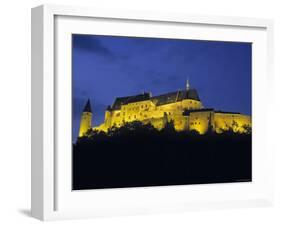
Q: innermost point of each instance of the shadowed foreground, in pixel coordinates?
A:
(137, 155)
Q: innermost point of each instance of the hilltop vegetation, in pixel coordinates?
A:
(140, 155)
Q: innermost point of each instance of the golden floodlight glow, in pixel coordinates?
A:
(183, 108)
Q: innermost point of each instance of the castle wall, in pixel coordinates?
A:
(225, 121)
(147, 111)
(218, 121)
(157, 123)
(107, 118)
(189, 104)
(201, 121)
(140, 111)
(116, 119)
(180, 122)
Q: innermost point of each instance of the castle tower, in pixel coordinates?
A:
(86, 119)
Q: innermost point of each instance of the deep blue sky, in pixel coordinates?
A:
(105, 67)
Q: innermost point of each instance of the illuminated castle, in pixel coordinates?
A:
(184, 108)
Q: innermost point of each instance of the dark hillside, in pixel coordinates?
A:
(139, 155)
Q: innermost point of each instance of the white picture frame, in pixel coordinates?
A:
(47, 167)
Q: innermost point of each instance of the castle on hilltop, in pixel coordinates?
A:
(183, 107)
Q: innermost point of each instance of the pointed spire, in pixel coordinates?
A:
(187, 84)
(87, 107)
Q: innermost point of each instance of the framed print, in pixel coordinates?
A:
(170, 138)
(140, 112)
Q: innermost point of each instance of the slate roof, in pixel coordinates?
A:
(129, 99)
(87, 107)
(157, 100)
(228, 112)
(176, 96)
(187, 112)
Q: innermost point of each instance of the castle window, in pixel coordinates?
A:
(135, 116)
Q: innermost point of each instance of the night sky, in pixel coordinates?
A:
(106, 67)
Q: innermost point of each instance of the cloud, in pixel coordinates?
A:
(93, 45)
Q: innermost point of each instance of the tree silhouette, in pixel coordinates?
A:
(169, 127)
(137, 154)
(247, 128)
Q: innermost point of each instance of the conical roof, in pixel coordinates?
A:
(87, 107)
